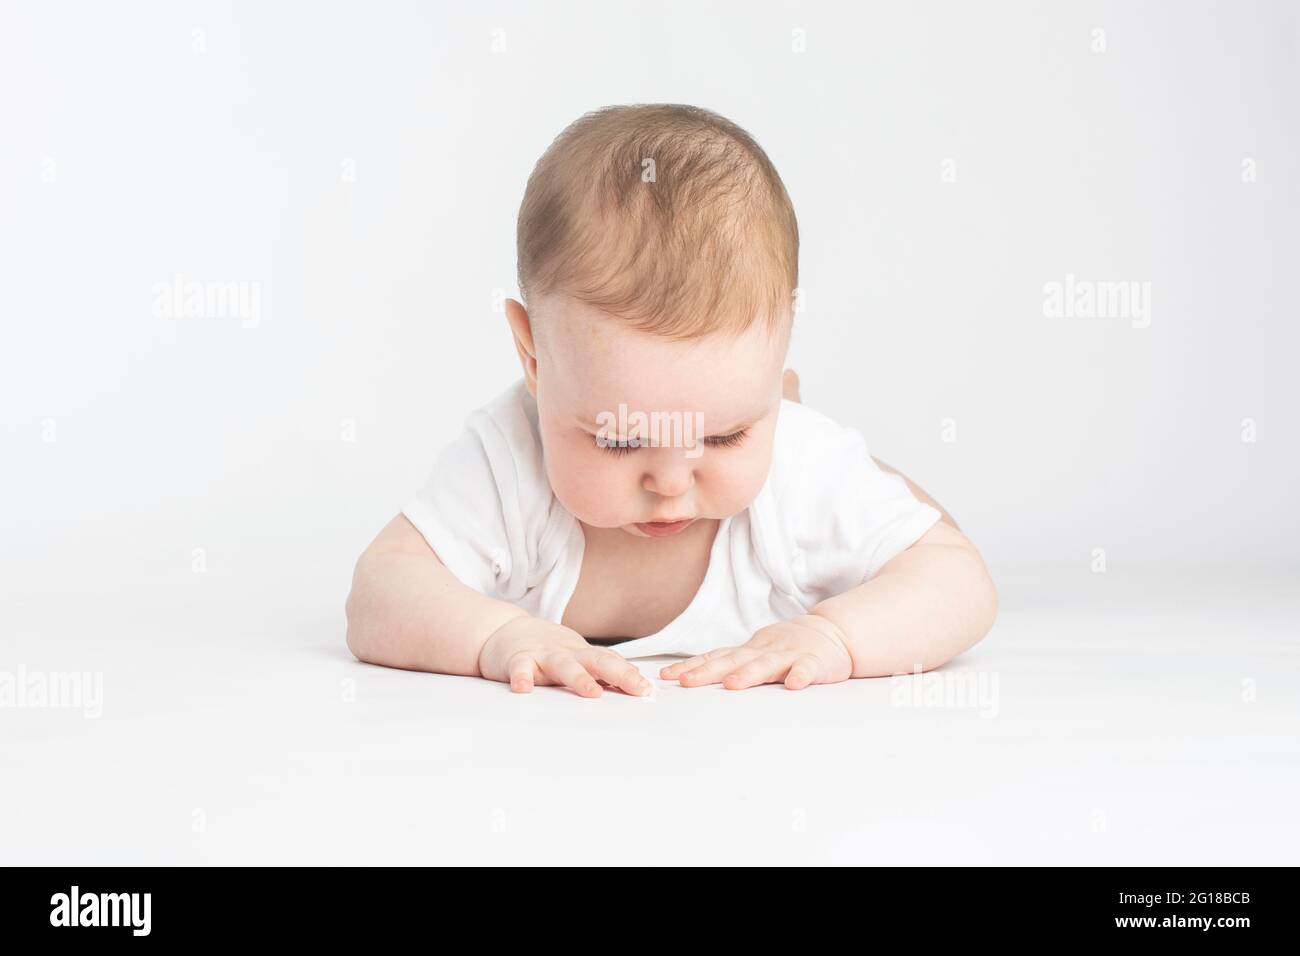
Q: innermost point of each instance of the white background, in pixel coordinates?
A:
(361, 165)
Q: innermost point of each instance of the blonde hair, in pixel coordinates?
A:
(669, 217)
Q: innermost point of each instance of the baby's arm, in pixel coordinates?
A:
(918, 491)
(406, 609)
(921, 609)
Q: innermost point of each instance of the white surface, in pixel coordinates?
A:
(1119, 706)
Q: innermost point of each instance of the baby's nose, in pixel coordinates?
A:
(669, 478)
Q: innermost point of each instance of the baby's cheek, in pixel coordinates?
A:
(734, 484)
(587, 490)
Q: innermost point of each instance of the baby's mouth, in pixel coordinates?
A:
(662, 529)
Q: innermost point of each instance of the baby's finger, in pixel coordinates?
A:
(802, 672)
(617, 671)
(762, 669)
(520, 673)
(716, 668)
(670, 671)
(565, 668)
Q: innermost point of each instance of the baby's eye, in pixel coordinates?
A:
(619, 446)
(727, 441)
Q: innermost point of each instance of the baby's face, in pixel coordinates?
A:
(705, 455)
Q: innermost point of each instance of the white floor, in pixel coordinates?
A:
(1107, 720)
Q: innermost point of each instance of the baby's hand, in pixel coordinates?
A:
(804, 650)
(527, 651)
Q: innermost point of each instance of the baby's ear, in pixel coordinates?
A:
(522, 329)
(790, 385)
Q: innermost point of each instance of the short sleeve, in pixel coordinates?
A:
(485, 505)
(459, 512)
(844, 517)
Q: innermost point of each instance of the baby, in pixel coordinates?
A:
(652, 485)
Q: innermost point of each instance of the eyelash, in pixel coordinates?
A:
(728, 441)
(724, 441)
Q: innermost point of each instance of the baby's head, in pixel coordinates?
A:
(658, 259)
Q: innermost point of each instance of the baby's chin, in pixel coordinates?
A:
(636, 531)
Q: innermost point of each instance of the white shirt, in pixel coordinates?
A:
(826, 520)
